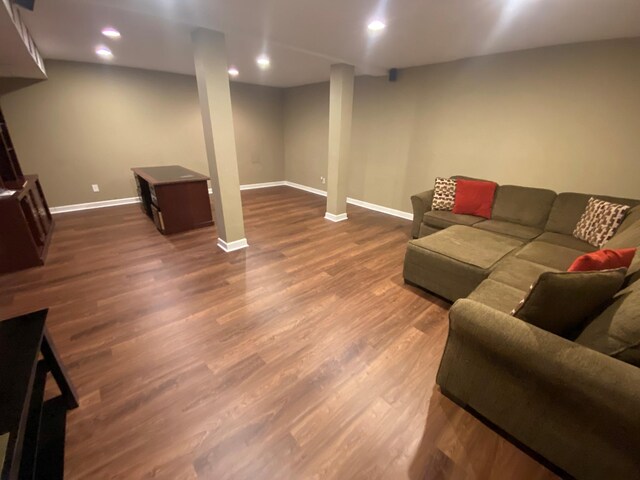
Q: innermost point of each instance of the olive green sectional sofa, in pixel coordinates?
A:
(573, 401)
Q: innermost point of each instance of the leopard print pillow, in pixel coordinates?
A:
(599, 222)
(444, 194)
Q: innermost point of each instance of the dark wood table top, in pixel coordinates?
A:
(20, 340)
(168, 174)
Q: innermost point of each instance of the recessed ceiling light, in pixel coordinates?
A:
(234, 72)
(111, 32)
(104, 52)
(263, 61)
(376, 26)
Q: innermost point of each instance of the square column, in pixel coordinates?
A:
(210, 56)
(340, 110)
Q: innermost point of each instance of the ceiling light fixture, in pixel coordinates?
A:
(263, 61)
(234, 72)
(104, 52)
(111, 32)
(376, 26)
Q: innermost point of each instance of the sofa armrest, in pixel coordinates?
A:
(421, 203)
(559, 362)
(544, 390)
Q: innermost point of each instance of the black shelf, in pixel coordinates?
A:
(36, 429)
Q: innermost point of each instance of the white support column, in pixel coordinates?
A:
(340, 111)
(210, 56)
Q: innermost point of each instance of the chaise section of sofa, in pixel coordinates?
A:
(453, 261)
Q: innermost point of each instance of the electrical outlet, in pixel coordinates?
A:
(95, 188)
(323, 180)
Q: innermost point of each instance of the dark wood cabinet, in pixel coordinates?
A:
(26, 224)
(174, 197)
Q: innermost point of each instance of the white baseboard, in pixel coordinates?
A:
(232, 246)
(353, 201)
(88, 206)
(317, 191)
(335, 218)
(255, 186)
(380, 208)
(252, 186)
(126, 201)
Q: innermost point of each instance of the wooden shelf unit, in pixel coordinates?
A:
(26, 223)
(11, 175)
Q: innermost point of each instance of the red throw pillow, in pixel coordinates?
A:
(603, 260)
(474, 197)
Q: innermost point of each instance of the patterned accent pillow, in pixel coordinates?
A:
(599, 222)
(444, 194)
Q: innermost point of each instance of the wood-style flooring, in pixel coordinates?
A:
(304, 356)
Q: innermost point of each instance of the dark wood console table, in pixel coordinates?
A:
(174, 197)
(31, 431)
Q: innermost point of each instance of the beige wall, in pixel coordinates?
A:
(90, 124)
(306, 134)
(565, 118)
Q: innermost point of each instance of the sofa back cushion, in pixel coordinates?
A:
(523, 205)
(616, 331)
(568, 208)
(632, 218)
(628, 237)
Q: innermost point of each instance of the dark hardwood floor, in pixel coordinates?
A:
(303, 356)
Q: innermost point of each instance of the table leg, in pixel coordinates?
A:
(58, 371)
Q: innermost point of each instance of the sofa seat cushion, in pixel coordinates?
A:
(509, 228)
(469, 246)
(497, 295)
(453, 262)
(518, 273)
(568, 241)
(523, 205)
(554, 256)
(443, 219)
(426, 230)
(616, 331)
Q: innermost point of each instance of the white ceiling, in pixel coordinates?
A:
(304, 37)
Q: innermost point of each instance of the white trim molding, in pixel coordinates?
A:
(317, 191)
(380, 208)
(253, 186)
(353, 201)
(88, 206)
(126, 201)
(232, 246)
(341, 217)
